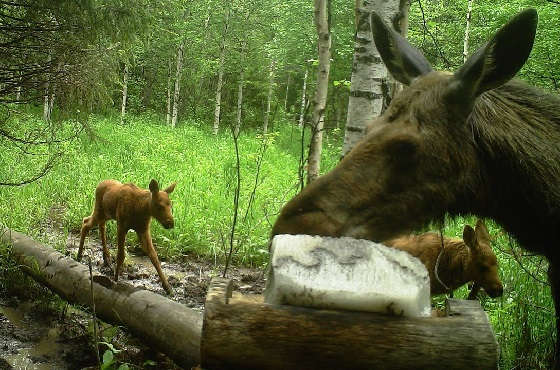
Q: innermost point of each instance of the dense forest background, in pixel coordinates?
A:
(134, 90)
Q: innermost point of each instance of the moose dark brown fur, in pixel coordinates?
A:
(463, 260)
(133, 208)
(468, 142)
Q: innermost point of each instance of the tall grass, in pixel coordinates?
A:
(204, 167)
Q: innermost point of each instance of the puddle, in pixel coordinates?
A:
(31, 338)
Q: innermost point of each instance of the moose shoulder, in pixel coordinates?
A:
(469, 142)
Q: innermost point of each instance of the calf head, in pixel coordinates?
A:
(419, 159)
(483, 269)
(161, 204)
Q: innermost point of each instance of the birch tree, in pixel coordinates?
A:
(180, 51)
(124, 92)
(168, 113)
(321, 19)
(303, 96)
(269, 96)
(240, 89)
(467, 27)
(370, 89)
(220, 83)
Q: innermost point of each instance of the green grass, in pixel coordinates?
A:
(202, 164)
(204, 167)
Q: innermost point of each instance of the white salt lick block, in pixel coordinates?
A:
(348, 274)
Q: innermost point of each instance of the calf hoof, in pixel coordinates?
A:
(168, 289)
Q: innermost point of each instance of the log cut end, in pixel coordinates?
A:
(348, 274)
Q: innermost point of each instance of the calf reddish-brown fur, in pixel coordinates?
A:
(133, 208)
(468, 142)
(462, 261)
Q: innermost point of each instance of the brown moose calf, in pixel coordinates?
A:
(462, 261)
(133, 208)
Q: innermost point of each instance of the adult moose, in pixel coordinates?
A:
(133, 208)
(471, 142)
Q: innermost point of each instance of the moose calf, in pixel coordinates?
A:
(461, 261)
(133, 208)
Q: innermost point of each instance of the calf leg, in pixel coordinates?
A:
(121, 236)
(554, 279)
(103, 235)
(148, 248)
(87, 225)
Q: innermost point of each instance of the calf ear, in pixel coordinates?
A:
(403, 60)
(154, 187)
(469, 236)
(481, 230)
(499, 60)
(170, 188)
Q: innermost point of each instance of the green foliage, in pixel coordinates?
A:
(200, 162)
(523, 319)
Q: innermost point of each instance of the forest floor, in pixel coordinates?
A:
(35, 335)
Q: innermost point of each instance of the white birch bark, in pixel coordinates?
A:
(269, 96)
(303, 92)
(287, 90)
(321, 15)
(168, 115)
(180, 51)
(369, 88)
(51, 101)
(218, 106)
(18, 89)
(468, 25)
(237, 126)
(46, 115)
(124, 92)
(239, 102)
(219, 85)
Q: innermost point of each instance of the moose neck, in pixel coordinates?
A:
(142, 212)
(516, 131)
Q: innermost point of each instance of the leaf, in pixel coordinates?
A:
(108, 359)
(123, 367)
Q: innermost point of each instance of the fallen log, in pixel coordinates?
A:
(168, 326)
(244, 333)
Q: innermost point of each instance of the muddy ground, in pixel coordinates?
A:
(40, 334)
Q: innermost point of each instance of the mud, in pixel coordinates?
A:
(35, 335)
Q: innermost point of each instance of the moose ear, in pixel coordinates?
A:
(481, 230)
(499, 60)
(403, 149)
(170, 188)
(154, 187)
(469, 236)
(403, 60)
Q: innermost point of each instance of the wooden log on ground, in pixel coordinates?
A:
(168, 326)
(243, 333)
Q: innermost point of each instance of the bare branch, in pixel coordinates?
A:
(436, 44)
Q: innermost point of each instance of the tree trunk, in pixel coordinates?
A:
(321, 18)
(219, 85)
(370, 90)
(169, 326)
(240, 332)
(177, 84)
(240, 90)
(269, 96)
(466, 41)
(168, 115)
(46, 112)
(286, 97)
(302, 111)
(124, 92)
